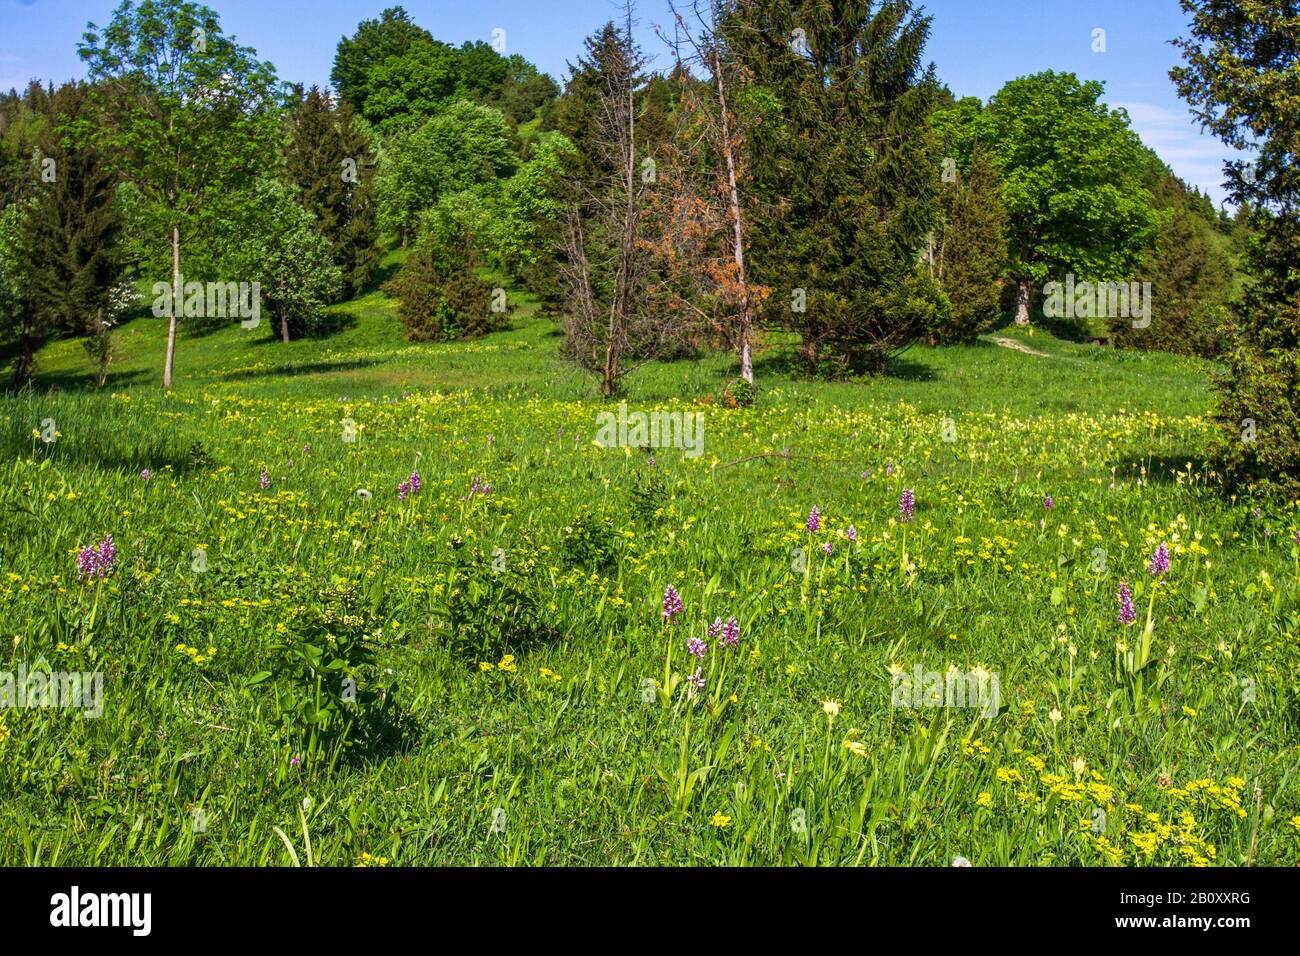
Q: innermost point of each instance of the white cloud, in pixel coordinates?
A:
(1193, 154)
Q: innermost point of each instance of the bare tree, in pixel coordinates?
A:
(715, 132)
(602, 228)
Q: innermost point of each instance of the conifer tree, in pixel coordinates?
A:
(972, 251)
(329, 159)
(841, 158)
(1241, 63)
(66, 241)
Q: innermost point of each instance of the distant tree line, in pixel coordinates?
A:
(797, 176)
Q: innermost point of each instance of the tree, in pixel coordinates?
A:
(1191, 274)
(23, 118)
(17, 304)
(603, 270)
(404, 90)
(523, 222)
(374, 41)
(1241, 64)
(440, 296)
(70, 229)
(192, 116)
(837, 148)
(1071, 173)
(467, 147)
(718, 130)
(481, 71)
(972, 251)
(329, 159)
(278, 245)
(525, 90)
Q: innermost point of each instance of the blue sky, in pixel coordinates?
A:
(977, 45)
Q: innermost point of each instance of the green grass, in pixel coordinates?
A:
(563, 566)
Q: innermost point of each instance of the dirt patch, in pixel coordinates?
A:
(1018, 346)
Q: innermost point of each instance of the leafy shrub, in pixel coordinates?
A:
(738, 393)
(590, 542)
(440, 296)
(487, 605)
(648, 494)
(327, 691)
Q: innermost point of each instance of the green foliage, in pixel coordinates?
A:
(972, 252)
(523, 229)
(101, 345)
(488, 606)
(403, 90)
(329, 158)
(440, 296)
(396, 75)
(1240, 65)
(1071, 172)
(71, 227)
(374, 41)
(467, 147)
(1191, 275)
(154, 65)
(590, 541)
(738, 393)
(328, 695)
(836, 164)
(274, 241)
(481, 70)
(18, 318)
(525, 90)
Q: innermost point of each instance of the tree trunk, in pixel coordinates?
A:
(284, 328)
(25, 363)
(1022, 303)
(176, 304)
(101, 373)
(621, 304)
(733, 201)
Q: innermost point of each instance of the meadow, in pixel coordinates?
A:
(309, 656)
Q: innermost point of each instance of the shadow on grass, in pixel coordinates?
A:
(77, 382)
(289, 371)
(788, 363)
(102, 455)
(381, 276)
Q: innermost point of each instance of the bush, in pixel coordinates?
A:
(327, 693)
(862, 332)
(1260, 416)
(488, 607)
(591, 542)
(972, 253)
(440, 296)
(1191, 283)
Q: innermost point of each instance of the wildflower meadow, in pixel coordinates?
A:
(461, 630)
(772, 433)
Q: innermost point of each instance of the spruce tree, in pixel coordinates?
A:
(972, 251)
(329, 159)
(842, 159)
(68, 230)
(1241, 64)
